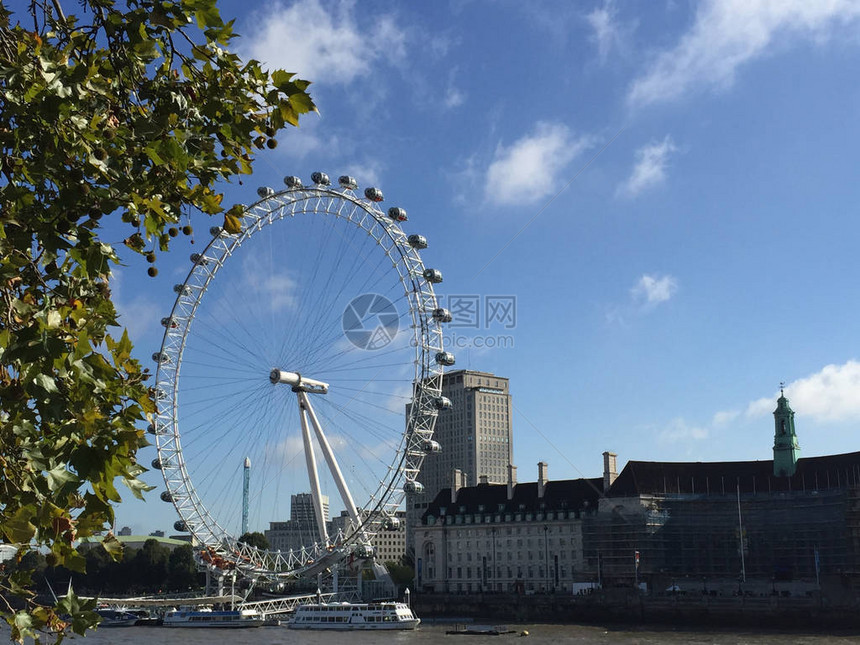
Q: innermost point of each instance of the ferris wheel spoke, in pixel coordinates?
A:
(370, 425)
(241, 350)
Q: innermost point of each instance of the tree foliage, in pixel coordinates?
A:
(255, 539)
(132, 112)
(138, 571)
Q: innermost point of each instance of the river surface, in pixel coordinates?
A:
(434, 634)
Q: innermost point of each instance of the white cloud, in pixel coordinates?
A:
(650, 167)
(298, 143)
(528, 170)
(607, 32)
(831, 395)
(324, 44)
(679, 430)
(725, 417)
(275, 291)
(366, 173)
(651, 290)
(453, 97)
(727, 34)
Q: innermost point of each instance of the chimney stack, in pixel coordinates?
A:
(456, 484)
(542, 479)
(483, 480)
(512, 480)
(609, 473)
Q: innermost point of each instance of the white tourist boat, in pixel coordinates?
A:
(209, 618)
(116, 617)
(377, 615)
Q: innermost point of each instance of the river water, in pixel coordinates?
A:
(434, 634)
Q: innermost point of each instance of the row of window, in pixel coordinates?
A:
(476, 518)
(511, 573)
(530, 555)
(466, 545)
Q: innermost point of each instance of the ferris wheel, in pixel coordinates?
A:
(302, 360)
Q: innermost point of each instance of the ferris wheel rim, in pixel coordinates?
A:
(318, 200)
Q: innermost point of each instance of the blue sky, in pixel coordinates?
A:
(668, 189)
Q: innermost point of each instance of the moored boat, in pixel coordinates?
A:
(204, 618)
(345, 616)
(116, 618)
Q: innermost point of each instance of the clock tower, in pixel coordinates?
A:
(785, 446)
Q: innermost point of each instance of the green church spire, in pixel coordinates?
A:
(785, 446)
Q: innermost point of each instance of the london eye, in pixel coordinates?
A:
(308, 340)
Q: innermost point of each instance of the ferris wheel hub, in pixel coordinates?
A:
(298, 382)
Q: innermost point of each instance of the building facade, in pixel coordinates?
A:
(476, 436)
(508, 537)
(302, 528)
(731, 527)
(390, 543)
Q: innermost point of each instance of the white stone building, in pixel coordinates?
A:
(505, 537)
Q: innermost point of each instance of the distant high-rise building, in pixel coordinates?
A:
(476, 436)
(302, 509)
(301, 529)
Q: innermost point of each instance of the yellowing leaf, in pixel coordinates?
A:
(232, 224)
(112, 546)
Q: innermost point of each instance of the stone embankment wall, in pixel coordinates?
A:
(623, 606)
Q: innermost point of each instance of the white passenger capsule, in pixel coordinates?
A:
(320, 178)
(166, 496)
(433, 275)
(417, 241)
(265, 191)
(391, 523)
(373, 194)
(196, 258)
(182, 289)
(292, 182)
(161, 358)
(442, 403)
(429, 446)
(442, 315)
(413, 487)
(156, 463)
(363, 551)
(169, 322)
(445, 358)
(397, 214)
(347, 182)
(179, 525)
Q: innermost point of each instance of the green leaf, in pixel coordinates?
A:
(46, 383)
(302, 103)
(18, 528)
(59, 477)
(280, 78)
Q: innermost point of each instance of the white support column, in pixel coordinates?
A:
(311, 461)
(333, 466)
